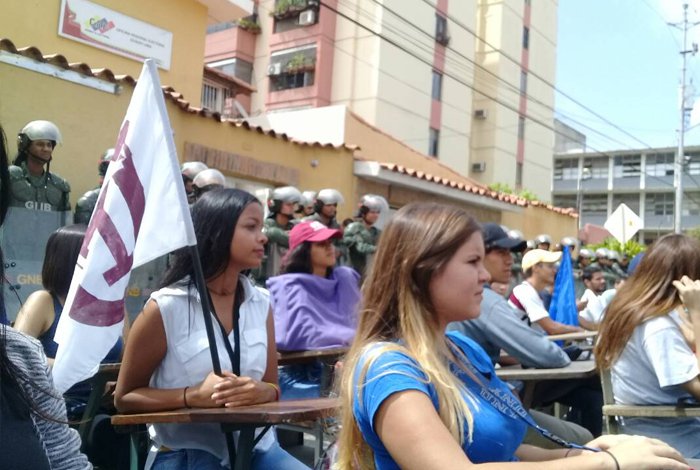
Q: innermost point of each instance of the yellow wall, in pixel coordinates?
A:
(35, 23)
(535, 220)
(89, 121)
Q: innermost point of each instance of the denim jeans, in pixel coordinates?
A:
(194, 459)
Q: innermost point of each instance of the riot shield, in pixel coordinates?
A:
(143, 282)
(23, 239)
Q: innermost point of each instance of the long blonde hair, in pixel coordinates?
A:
(415, 246)
(649, 293)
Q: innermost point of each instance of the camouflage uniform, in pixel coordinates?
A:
(275, 249)
(361, 243)
(85, 205)
(48, 192)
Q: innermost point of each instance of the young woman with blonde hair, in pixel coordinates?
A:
(649, 340)
(415, 398)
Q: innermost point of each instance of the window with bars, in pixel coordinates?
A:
(660, 164)
(594, 204)
(566, 169)
(627, 166)
(658, 204)
(214, 96)
(597, 166)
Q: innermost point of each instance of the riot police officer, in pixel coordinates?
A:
(189, 171)
(361, 236)
(326, 208)
(276, 227)
(86, 203)
(306, 204)
(206, 180)
(543, 242)
(31, 185)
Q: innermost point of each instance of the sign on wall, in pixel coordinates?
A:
(106, 29)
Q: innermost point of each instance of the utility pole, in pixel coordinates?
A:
(684, 109)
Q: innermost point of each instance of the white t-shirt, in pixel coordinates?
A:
(594, 309)
(650, 370)
(530, 302)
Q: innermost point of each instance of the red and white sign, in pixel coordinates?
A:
(106, 29)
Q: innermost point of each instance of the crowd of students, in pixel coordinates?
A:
(418, 387)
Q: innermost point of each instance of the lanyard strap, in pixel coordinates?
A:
(508, 405)
(234, 353)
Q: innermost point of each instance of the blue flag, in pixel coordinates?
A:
(563, 306)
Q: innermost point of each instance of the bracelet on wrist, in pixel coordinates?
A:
(276, 388)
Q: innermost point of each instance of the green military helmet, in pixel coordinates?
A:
(38, 130)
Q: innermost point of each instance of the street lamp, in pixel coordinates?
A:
(584, 174)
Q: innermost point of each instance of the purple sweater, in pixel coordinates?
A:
(312, 312)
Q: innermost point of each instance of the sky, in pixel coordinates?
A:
(622, 60)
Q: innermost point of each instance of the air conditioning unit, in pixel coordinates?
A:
(307, 17)
(480, 114)
(275, 69)
(479, 167)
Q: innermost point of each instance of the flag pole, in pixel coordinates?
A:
(196, 262)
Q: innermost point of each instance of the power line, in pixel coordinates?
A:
(542, 79)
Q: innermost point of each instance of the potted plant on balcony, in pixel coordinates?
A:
(288, 8)
(250, 24)
(300, 63)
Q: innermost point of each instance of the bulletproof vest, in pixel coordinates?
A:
(48, 192)
(85, 205)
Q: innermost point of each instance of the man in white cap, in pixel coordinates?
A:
(539, 270)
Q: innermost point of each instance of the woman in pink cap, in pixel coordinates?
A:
(314, 304)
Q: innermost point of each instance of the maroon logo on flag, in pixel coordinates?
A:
(87, 308)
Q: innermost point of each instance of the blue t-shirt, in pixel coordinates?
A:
(496, 436)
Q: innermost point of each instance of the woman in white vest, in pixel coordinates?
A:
(167, 363)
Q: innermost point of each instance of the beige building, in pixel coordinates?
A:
(449, 78)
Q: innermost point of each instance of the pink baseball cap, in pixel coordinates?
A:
(310, 232)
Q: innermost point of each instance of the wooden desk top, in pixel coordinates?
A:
(579, 335)
(575, 370)
(279, 412)
(300, 357)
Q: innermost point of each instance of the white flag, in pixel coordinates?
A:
(623, 224)
(141, 214)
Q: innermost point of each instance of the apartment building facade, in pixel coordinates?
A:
(452, 79)
(598, 183)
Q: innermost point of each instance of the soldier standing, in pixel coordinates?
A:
(86, 204)
(189, 171)
(32, 186)
(326, 208)
(276, 227)
(361, 236)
